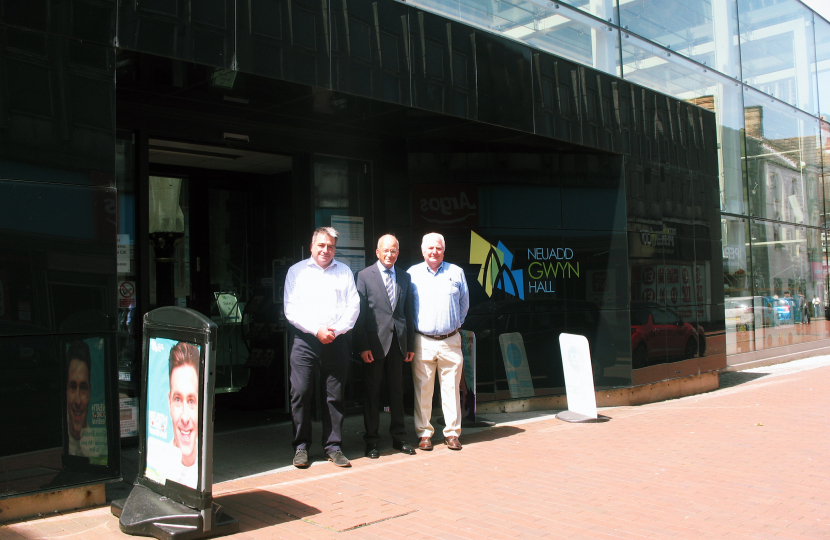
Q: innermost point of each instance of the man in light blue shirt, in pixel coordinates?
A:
(441, 303)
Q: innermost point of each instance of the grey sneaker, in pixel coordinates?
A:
(339, 459)
(301, 458)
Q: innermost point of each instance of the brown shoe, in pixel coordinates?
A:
(425, 443)
(452, 443)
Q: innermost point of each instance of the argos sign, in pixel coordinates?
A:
(453, 205)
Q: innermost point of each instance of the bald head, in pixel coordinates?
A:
(387, 251)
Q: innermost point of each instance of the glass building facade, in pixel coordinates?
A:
(763, 66)
(650, 175)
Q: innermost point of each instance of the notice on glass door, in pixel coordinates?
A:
(355, 259)
(351, 231)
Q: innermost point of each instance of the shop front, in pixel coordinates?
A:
(575, 202)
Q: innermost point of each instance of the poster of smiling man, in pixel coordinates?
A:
(173, 412)
(86, 418)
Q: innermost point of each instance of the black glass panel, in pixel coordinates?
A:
(443, 67)
(556, 98)
(528, 207)
(593, 195)
(285, 39)
(608, 337)
(58, 252)
(196, 31)
(503, 82)
(88, 20)
(370, 50)
(58, 121)
(599, 279)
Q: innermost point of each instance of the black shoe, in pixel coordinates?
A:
(372, 452)
(301, 458)
(338, 459)
(404, 447)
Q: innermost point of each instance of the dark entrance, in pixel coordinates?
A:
(232, 201)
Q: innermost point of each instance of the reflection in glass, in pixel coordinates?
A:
(703, 30)
(654, 67)
(822, 64)
(552, 27)
(824, 179)
(737, 285)
(789, 284)
(782, 161)
(778, 50)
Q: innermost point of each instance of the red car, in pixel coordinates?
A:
(658, 332)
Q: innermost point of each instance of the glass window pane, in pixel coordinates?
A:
(737, 285)
(555, 28)
(703, 30)
(603, 9)
(789, 278)
(824, 181)
(657, 68)
(822, 64)
(782, 161)
(778, 50)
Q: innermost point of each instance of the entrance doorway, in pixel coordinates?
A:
(224, 265)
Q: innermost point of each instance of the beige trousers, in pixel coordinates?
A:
(443, 357)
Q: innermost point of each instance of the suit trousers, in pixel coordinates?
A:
(373, 373)
(444, 357)
(307, 353)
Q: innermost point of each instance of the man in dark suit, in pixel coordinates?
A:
(385, 338)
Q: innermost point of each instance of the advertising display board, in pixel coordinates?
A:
(89, 436)
(467, 390)
(516, 367)
(85, 437)
(173, 412)
(172, 497)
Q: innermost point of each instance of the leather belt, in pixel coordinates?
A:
(443, 336)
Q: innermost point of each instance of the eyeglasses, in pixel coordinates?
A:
(389, 251)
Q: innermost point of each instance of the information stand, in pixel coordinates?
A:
(579, 380)
(172, 497)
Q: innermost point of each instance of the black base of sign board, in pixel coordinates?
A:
(570, 416)
(146, 513)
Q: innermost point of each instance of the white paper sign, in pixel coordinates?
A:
(355, 259)
(579, 379)
(122, 254)
(515, 365)
(350, 229)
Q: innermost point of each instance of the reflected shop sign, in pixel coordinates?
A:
(541, 270)
(686, 288)
(453, 205)
(647, 242)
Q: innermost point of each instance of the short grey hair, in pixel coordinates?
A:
(330, 231)
(433, 236)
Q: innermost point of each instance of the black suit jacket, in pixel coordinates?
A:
(375, 325)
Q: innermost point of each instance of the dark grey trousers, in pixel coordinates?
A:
(373, 374)
(333, 359)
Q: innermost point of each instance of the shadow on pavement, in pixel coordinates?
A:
(734, 378)
(257, 509)
(492, 434)
(264, 449)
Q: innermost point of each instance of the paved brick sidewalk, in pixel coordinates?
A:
(748, 461)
